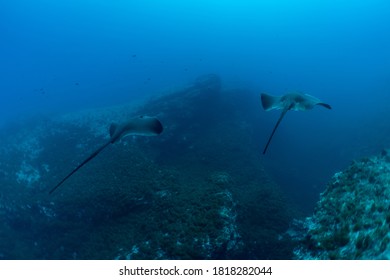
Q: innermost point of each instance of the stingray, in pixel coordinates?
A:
(291, 101)
(142, 125)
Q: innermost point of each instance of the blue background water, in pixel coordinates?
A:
(61, 56)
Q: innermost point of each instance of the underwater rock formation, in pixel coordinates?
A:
(352, 218)
(197, 191)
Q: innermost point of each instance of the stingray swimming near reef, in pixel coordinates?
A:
(142, 125)
(291, 101)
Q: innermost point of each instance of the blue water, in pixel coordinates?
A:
(63, 56)
(115, 50)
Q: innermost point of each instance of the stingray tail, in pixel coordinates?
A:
(94, 154)
(273, 131)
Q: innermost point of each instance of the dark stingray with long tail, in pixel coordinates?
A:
(142, 125)
(291, 101)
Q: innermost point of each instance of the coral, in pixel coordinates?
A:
(220, 178)
(27, 174)
(351, 220)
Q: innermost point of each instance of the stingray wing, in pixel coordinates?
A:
(310, 101)
(271, 102)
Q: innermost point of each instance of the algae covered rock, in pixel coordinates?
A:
(352, 218)
(197, 191)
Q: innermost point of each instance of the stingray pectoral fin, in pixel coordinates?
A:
(325, 105)
(94, 154)
(156, 127)
(146, 126)
(273, 131)
(270, 102)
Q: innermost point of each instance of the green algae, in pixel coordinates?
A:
(351, 219)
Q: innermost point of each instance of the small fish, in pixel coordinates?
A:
(291, 101)
(142, 125)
